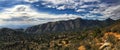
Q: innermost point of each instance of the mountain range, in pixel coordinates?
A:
(73, 34)
(66, 26)
(70, 25)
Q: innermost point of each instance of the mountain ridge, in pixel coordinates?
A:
(69, 25)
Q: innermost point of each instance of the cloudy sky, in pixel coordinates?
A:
(23, 13)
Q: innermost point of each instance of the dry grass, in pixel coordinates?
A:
(117, 35)
(82, 48)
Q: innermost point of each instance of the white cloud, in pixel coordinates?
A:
(68, 4)
(25, 10)
(61, 7)
(80, 10)
(113, 12)
(25, 15)
(108, 11)
(31, 1)
(103, 5)
(56, 2)
(91, 0)
(65, 4)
